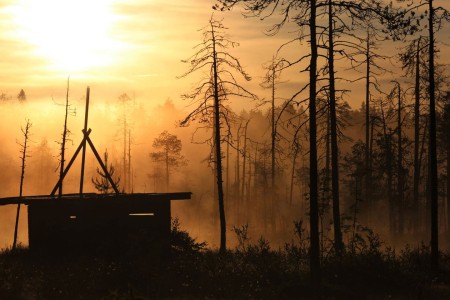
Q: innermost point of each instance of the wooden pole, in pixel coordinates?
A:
(66, 170)
(102, 165)
(83, 155)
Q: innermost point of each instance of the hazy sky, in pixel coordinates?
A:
(115, 46)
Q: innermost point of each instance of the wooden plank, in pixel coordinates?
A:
(145, 197)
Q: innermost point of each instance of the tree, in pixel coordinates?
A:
(432, 146)
(24, 147)
(397, 91)
(372, 69)
(338, 244)
(102, 183)
(270, 81)
(387, 145)
(65, 135)
(168, 152)
(436, 15)
(21, 96)
(305, 16)
(444, 142)
(413, 60)
(214, 89)
(124, 100)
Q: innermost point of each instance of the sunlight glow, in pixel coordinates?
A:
(72, 36)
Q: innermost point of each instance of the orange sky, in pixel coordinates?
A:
(115, 46)
(118, 46)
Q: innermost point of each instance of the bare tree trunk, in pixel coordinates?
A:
(432, 151)
(63, 143)
(368, 174)
(416, 140)
(244, 161)
(130, 178)
(427, 183)
(355, 214)
(294, 160)
(327, 175)
(223, 238)
(338, 244)
(227, 187)
(238, 169)
(387, 139)
(372, 138)
(273, 136)
(125, 177)
(274, 129)
(400, 165)
(248, 195)
(448, 180)
(313, 192)
(214, 172)
(167, 169)
(26, 134)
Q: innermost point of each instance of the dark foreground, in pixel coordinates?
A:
(253, 271)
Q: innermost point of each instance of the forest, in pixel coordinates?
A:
(290, 181)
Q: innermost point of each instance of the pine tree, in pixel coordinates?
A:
(101, 183)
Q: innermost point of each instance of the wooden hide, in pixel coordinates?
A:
(124, 224)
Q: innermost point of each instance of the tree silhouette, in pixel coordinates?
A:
(219, 84)
(24, 147)
(21, 96)
(168, 152)
(65, 135)
(124, 101)
(102, 183)
(413, 59)
(432, 147)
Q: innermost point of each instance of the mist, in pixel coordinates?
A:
(248, 197)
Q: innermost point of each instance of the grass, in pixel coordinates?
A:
(251, 271)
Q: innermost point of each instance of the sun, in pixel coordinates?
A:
(71, 36)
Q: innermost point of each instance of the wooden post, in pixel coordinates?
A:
(102, 165)
(83, 155)
(82, 146)
(66, 170)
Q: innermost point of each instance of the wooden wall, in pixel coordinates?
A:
(100, 226)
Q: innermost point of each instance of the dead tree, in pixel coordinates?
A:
(65, 135)
(124, 100)
(338, 244)
(414, 61)
(436, 16)
(387, 136)
(24, 147)
(209, 96)
(244, 192)
(417, 162)
(400, 181)
(432, 146)
(270, 81)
